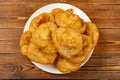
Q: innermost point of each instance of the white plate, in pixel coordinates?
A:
(48, 8)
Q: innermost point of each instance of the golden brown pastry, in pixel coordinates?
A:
(67, 41)
(65, 66)
(68, 19)
(42, 18)
(35, 54)
(41, 48)
(83, 54)
(92, 32)
(24, 41)
(73, 63)
(57, 10)
(42, 36)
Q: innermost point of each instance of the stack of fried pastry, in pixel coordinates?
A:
(60, 38)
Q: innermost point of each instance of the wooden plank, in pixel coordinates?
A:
(100, 68)
(107, 50)
(85, 7)
(102, 49)
(13, 23)
(109, 34)
(95, 12)
(110, 45)
(76, 75)
(10, 34)
(15, 34)
(20, 23)
(54, 1)
(104, 61)
(79, 75)
(9, 46)
(25, 10)
(93, 1)
(105, 23)
(92, 15)
(19, 67)
(38, 74)
(106, 15)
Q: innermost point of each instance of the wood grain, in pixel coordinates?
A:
(54, 1)
(20, 67)
(110, 12)
(105, 61)
(10, 41)
(15, 34)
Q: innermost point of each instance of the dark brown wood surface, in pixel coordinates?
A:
(105, 61)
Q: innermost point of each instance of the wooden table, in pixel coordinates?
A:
(105, 61)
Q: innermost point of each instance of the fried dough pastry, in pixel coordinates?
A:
(42, 36)
(74, 62)
(57, 10)
(68, 19)
(83, 54)
(65, 66)
(78, 58)
(92, 32)
(67, 41)
(42, 18)
(35, 54)
(42, 49)
(24, 41)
